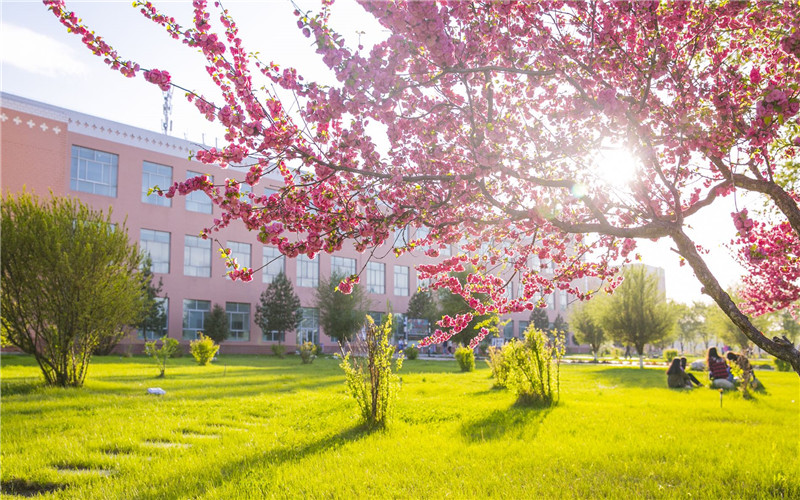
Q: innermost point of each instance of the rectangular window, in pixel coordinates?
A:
(238, 321)
(274, 262)
(194, 317)
(551, 301)
(198, 201)
(400, 239)
(309, 326)
(153, 175)
(562, 299)
(401, 278)
(445, 252)
(376, 277)
(273, 336)
(307, 271)
(376, 316)
(240, 252)
(161, 330)
(343, 266)
(156, 244)
(523, 325)
(423, 283)
(197, 257)
(510, 291)
(93, 171)
(508, 330)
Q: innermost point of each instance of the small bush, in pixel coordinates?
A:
(466, 359)
(318, 350)
(161, 354)
(616, 353)
(534, 368)
(368, 373)
(498, 366)
(278, 350)
(411, 352)
(782, 366)
(670, 354)
(307, 353)
(203, 349)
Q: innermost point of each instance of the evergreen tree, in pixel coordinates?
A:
(452, 304)
(279, 310)
(423, 306)
(340, 316)
(215, 325)
(539, 319)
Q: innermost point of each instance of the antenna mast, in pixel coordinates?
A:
(166, 122)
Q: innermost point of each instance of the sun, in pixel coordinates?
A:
(615, 166)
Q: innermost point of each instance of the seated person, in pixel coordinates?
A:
(749, 379)
(676, 377)
(718, 370)
(692, 378)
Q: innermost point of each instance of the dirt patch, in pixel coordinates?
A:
(26, 488)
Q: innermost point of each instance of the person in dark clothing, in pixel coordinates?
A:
(676, 377)
(718, 370)
(692, 378)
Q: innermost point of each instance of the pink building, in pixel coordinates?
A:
(111, 165)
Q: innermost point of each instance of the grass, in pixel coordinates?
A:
(249, 427)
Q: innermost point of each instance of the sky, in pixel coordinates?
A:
(40, 60)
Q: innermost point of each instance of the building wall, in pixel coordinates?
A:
(37, 142)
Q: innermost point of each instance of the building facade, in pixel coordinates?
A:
(111, 165)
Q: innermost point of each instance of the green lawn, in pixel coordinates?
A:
(250, 427)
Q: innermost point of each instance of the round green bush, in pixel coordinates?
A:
(466, 359)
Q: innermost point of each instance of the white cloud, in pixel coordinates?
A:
(37, 53)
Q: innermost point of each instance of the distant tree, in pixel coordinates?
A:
(451, 304)
(559, 325)
(70, 280)
(704, 333)
(280, 309)
(539, 319)
(341, 316)
(691, 322)
(788, 326)
(586, 325)
(637, 313)
(215, 326)
(423, 306)
(726, 331)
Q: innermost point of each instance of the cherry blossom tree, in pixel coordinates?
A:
(484, 122)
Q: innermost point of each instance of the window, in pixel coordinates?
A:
(194, 317)
(156, 245)
(268, 191)
(198, 201)
(399, 237)
(401, 281)
(238, 320)
(445, 252)
(376, 316)
(510, 291)
(307, 271)
(197, 257)
(562, 299)
(376, 277)
(244, 191)
(272, 336)
(523, 325)
(309, 326)
(343, 266)
(161, 330)
(93, 171)
(273, 261)
(508, 330)
(551, 301)
(154, 174)
(423, 283)
(240, 252)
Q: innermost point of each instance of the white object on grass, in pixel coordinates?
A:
(158, 391)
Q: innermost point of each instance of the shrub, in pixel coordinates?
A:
(782, 366)
(368, 373)
(616, 353)
(278, 350)
(670, 354)
(411, 352)
(466, 359)
(161, 354)
(203, 349)
(498, 365)
(307, 354)
(216, 324)
(534, 368)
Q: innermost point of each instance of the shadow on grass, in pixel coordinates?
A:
(26, 488)
(512, 422)
(22, 387)
(633, 377)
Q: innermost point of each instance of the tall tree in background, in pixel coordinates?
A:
(216, 325)
(341, 315)
(539, 319)
(789, 327)
(422, 305)
(726, 331)
(279, 309)
(637, 313)
(559, 325)
(494, 118)
(586, 325)
(70, 279)
(691, 322)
